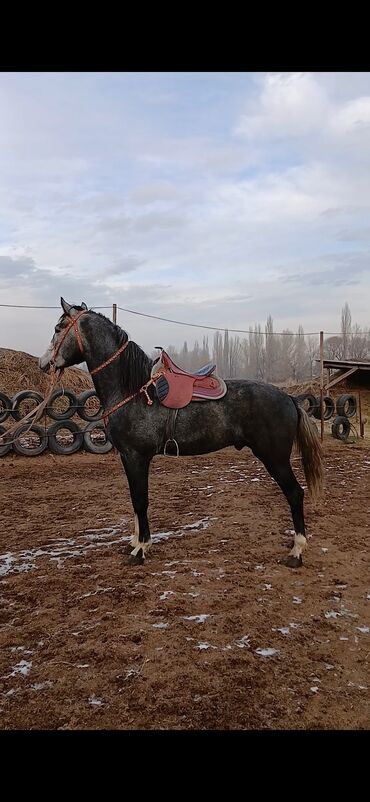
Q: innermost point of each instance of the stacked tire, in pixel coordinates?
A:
(29, 439)
(308, 402)
(311, 404)
(346, 408)
(329, 408)
(64, 436)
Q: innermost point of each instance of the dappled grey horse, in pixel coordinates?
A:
(252, 414)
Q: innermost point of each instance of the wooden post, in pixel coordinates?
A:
(114, 313)
(362, 432)
(322, 384)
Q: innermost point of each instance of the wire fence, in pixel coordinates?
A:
(258, 352)
(181, 322)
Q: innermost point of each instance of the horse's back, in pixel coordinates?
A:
(270, 416)
(251, 413)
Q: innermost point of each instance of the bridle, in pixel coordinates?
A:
(73, 325)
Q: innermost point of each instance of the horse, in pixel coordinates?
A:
(251, 414)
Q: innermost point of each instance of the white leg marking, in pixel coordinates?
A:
(135, 538)
(143, 546)
(135, 542)
(300, 544)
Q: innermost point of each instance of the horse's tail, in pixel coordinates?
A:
(309, 446)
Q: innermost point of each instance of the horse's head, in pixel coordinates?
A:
(66, 346)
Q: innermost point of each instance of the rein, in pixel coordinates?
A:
(35, 414)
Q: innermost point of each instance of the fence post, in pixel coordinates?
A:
(362, 429)
(114, 314)
(322, 384)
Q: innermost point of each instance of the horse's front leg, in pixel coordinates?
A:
(137, 471)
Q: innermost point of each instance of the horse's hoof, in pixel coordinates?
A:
(137, 560)
(127, 550)
(292, 562)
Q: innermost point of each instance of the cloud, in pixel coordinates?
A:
(289, 105)
(157, 192)
(125, 265)
(214, 198)
(334, 270)
(12, 269)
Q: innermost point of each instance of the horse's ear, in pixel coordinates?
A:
(83, 305)
(66, 307)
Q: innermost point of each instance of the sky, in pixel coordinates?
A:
(213, 198)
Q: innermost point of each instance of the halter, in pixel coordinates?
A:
(73, 324)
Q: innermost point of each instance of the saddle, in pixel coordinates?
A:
(176, 388)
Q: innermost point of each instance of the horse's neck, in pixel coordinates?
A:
(109, 382)
(101, 346)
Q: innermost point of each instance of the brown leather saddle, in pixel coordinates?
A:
(176, 388)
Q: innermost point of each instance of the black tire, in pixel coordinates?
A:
(94, 447)
(23, 395)
(4, 447)
(308, 402)
(346, 405)
(81, 401)
(69, 412)
(5, 407)
(29, 451)
(329, 408)
(65, 448)
(341, 427)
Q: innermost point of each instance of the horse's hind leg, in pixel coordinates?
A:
(294, 494)
(137, 471)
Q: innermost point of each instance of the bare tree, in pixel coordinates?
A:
(346, 329)
(235, 353)
(359, 347)
(245, 359)
(205, 356)
(270, 350)
(274, 357)
(260, 353)
(301, 354)
(218, 352)
(225, 354)
(333, 347)
(313, 349)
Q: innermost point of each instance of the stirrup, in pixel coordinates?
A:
(171, 440)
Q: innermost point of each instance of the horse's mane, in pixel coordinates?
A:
(134, 364)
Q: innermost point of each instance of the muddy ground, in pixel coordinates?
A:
(212, 632)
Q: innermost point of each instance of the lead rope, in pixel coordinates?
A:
(34, 414)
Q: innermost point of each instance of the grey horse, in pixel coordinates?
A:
(253, 414)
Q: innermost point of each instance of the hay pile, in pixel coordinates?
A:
(20, 371)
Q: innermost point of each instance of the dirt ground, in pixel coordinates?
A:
(212, 632)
